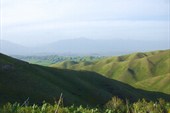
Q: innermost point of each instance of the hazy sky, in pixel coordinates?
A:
(31, 22)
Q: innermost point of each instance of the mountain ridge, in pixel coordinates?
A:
(20, 80)
(85, 46)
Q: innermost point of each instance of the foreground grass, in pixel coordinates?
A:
(115, 105)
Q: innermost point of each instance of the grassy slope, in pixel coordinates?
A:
(160, 83)
(130, 69)
(19, 80)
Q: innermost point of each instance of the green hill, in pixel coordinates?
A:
(158, 83)
(20, 80)
(131, 69)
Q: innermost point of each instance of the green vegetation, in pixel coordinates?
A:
(20, 80)
(52, 59)
(159, 83)
(115, 105)
(148, 71)
(84, 91)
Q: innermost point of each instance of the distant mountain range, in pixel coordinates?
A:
(149, 70)
(20, 80)
(83, 46)
(13, 48)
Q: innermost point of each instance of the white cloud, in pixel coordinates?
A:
(98, 29)
(27, 11)
(87, 18)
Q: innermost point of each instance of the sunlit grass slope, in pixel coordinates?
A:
(132, 68)
(158, 83)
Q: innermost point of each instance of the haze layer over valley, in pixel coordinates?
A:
(84, 46)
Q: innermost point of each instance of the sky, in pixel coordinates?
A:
(36, 22)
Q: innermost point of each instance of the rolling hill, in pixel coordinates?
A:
(20, 80)
(136, 69)
(158, 83)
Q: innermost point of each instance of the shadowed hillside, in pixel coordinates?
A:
(131, 69)
(20, 80)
